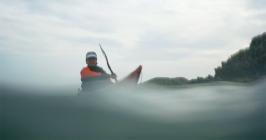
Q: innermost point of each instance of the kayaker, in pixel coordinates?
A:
(92, 75)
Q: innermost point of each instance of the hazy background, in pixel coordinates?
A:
(43, 43)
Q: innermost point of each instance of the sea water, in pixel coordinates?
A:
(221, 111)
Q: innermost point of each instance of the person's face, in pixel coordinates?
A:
(92, 61)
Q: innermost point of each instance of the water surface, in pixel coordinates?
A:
(224, 111)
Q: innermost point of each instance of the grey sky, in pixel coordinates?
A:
(44, 42)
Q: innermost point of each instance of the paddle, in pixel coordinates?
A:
(112, 72)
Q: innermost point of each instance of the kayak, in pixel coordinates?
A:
(133, 77)
(130, 80)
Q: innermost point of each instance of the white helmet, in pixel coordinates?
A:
(91, 55)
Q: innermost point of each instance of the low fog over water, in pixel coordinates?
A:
(224, 111)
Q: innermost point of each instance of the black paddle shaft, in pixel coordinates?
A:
(112, 72)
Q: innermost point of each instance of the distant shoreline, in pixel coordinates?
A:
(245, 66)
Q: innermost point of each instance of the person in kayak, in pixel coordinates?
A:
(92, 75)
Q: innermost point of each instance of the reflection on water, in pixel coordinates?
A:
(223, 111)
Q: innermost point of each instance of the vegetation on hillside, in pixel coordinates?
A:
(247, 64)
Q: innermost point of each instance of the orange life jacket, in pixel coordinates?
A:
(87, 72)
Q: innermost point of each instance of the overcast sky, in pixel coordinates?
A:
(44, 42)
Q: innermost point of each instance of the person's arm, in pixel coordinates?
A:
(113, 76)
